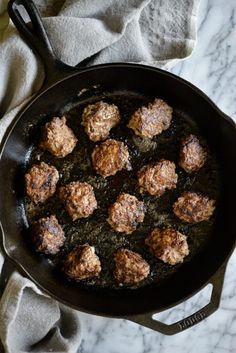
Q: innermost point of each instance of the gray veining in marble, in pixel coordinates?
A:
(212, 67)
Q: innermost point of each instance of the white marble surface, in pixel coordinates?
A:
(212, 68)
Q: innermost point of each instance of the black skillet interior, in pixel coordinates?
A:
(218, 130)
(95, 230)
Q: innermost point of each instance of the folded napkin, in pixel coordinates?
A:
(153, 32)
(33, 322)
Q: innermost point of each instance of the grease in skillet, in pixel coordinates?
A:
(95, 230)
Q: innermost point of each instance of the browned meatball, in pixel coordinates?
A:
(41, 181)
(110, 157)
(155, 178)
(126, 213)
(130, 267)
(151, 120)
(168, 245)
(47, 235)
(82, 263)
(58, 138)
(192, 155)
(79, 199)
(193, 207)
(98, 119)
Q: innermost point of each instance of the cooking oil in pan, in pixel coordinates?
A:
(95, 230)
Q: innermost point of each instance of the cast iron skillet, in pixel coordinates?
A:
(63, 82)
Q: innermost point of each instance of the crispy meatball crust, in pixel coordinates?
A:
(130, 267)
(98, 119)
(82, 263)
(126, 213)
(193, 207)
(168, 245)
(79, 199)
(47, 235)
(58, 138)
(192, 155)
(41, 181)
(150, 121)
(155, 178)
(110, 157)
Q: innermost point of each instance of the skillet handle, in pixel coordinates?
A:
(7, 269)
(147, 319)
(37, 38)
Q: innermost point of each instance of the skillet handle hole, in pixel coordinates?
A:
(187, 308)
(213, 291)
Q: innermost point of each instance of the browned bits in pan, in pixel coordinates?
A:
(47, 235)
(82, 263)
(150, 121)
(79, 199)
(192, 155)
(193, 207)
(126, 213)
(168, 245)
(98, 119)
(155, 178)
(41, 181)
(130, 267)
(110, 157)
(58, 138)
(147, 224)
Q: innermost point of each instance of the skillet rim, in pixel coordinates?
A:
(79, 71)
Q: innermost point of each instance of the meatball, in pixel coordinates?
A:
(130, 267)
(82, 263)
(193, 207)
(168, 245)
(192, 155)
(47, 235)
(41, 181)
(98, 119)
(58, 138)
(155, 178)
(126, 213)
(150, 121)
(110, 157)
(79, 199)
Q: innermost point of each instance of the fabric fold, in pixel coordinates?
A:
(33, 322)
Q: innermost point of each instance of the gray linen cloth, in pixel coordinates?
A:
(153, 32)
